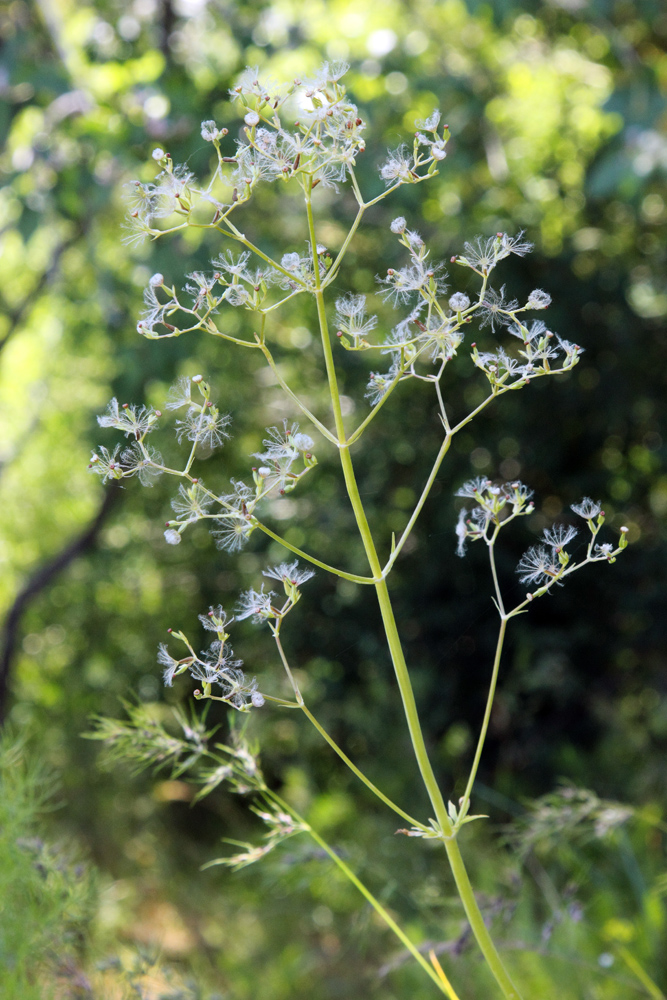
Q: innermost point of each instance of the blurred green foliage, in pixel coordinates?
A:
(47, 898)
(558, 117)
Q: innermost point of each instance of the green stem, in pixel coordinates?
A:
(494, 572)
(476, 921)
(324, 431)
(283, 658)
(444, 448)
(487, 716)
(366, 893)
(463, 885)
(352, 577)
(235, 234)
(211, 328)
(355, 435)
(341, 253)
(642, 975)
(362, 777)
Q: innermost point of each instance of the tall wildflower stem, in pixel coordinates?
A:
(457, 866)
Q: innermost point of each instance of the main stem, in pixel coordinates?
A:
(459, 872)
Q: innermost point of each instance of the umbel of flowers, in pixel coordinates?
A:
(308, 134)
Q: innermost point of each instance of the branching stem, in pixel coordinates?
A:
(463, 805)
(365, 892)
(459, 872)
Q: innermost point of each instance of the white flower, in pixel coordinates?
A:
(145, 463)
(397, 167)
(519, 495)
(106, 464)
(255, 604)
(515, 245)
(462, 532)
(192, 502)
(483, 255)
(351, 318)
(414, 239)
(158, 154)
(290, 261)
(398, 225)
(252, 118)
(495, 308)
(559, 536)
(327, 73)
(179, 394)
(572, 351)
(210, 131)
(285, 443)
(459, 301)
(133, 421)
(236, 295)
(172, 537)
(172, 666)
(213, 429)
(206, 426)
(431, 123)
(216, 619)
(233, 532)
(156, 279)
(473, 488)
(232, 263)
(587, 508)
(538, 299)
(537, 566)
(239, 499)
(290, 573)
(379, 383)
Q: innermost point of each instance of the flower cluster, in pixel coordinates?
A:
(544, 564)
(171, 194)
(433, 329)
(402, 164)
(233, 519)
(263, 607)
(353, 324)
(495, 504)
(215, 665)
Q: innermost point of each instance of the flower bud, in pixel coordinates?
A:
(459, 301)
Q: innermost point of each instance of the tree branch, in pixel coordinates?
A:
(38, 582)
